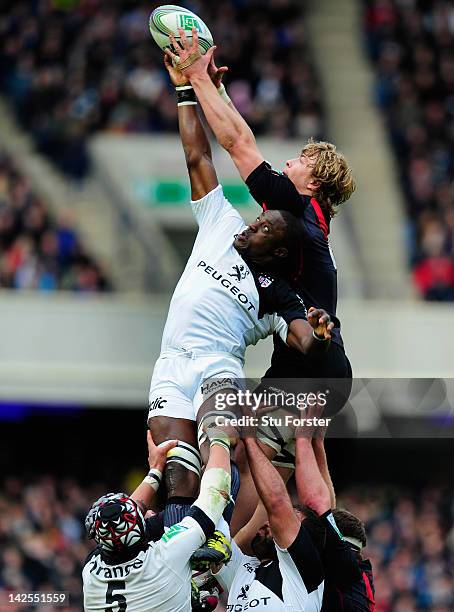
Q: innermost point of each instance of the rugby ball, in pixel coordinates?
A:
(166, 20)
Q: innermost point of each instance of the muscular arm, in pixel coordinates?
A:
(318, 445)
(197, 151)
(157, 455)
(312, 489)
(244, 536)
(273, 493)
(300, 337)
(231, 130)
(300, 334)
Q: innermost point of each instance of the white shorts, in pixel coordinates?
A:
(179, 383)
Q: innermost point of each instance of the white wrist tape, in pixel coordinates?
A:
(214, 493)
(153, 478)
(223, 93)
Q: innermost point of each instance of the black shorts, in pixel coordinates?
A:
(303, 373)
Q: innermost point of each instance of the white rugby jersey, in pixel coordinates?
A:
(158, 578)
(293, 583)
(215, 305)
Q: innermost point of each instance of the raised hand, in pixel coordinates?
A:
(187, 55)
(320, 322)
(157, 455)
(179, 79)
(216, 74)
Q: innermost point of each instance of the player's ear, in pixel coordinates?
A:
(281, 252)
(314, 185)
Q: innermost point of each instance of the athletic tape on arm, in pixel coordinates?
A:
(215, 481)
(186, 455)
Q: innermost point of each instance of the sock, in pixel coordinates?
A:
(234, 488)
(176, 509)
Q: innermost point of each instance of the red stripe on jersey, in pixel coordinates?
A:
(321, 217)
(370, 594)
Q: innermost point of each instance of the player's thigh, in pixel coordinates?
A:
(182, 473)
(211, 413)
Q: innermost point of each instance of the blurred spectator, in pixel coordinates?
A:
(411, 43)
(37, 252)
(69, 72)
(410, 541)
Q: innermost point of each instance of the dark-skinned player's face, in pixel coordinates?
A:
(263, 236)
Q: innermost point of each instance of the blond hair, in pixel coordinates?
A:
(332, 170)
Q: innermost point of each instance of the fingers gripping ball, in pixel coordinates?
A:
(166, 20)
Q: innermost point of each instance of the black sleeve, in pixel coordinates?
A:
(278, 297)
(274, 190)
(203, 520)
(155, 527)
(340, 561)
(307, 559)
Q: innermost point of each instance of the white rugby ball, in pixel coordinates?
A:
(166, 20)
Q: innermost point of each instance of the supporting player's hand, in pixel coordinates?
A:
(221, 427)
(188, 56)
(320, 322)
(157, 455)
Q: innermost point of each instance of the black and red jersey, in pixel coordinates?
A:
(349, 582)
(317, 282)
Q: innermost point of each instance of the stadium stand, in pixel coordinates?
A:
(37, 251)
(69, 73)
(411, 46)
(410, 540)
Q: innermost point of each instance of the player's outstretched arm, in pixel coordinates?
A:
(313, 335)
(311, 487)
(273, 493)
(196, 146)
(229, 127)
(318, 444)
(157, 455)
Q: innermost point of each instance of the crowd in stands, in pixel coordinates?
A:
(37, 251)
(411, 43)
(73, 67)
(410, 541)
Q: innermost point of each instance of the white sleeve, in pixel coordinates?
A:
(179, 542)
(213, 208)
(280, 327)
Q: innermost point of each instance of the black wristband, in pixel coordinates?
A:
(185, 95)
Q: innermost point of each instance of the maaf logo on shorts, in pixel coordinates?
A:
(157, 403)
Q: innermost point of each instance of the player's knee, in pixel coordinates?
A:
(183, 469)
